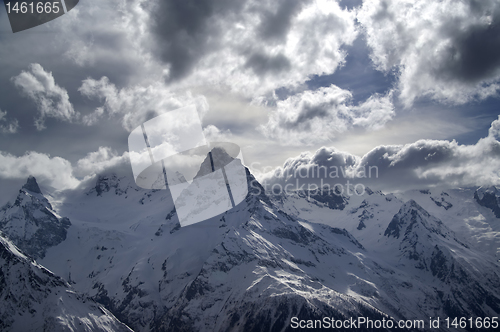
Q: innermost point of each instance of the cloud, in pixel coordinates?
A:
(51, 100)
(318, 116)
(182, 30)
(98, 161)
(93, 118)
(132, 51)
(425, 163)
(250, 47)
(51, 171)
(59, 173)
(135, 104)
(375, 112)
(214, 134)
(264, 45)
(494, 131)
(9, 127)
(275, 24)
(446, 50)
(109, 38)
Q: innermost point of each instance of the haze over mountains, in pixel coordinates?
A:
(415, 255)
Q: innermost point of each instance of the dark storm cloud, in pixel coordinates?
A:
(187, 29)
(474, 54)
(269, 37)
(254, 47)
(263, 64)
(96, 39)
(275, 25)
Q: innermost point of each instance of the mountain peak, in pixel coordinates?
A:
(408, 216)
(32, 185)
(412, 205)
(30, 223)
(215, 159)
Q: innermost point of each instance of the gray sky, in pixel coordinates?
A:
(277, 77)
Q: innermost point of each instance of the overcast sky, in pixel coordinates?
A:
(409, 86)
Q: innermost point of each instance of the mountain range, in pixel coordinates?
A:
(116, 250)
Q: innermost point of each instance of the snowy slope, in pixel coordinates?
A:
(365, 215)
(34, 299)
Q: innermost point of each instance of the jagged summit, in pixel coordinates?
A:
(218, 159)
(31, 223)
(32, 185)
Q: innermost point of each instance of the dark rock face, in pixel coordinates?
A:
(442, 202)
(106, 183)
(490, 198)
(32, 185)
(31, 223)
(361, 225)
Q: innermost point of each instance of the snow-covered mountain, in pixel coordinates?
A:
(33, 299)
(31, 221)
(307, 254)
(133, 257)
